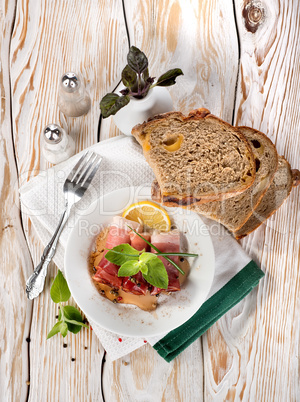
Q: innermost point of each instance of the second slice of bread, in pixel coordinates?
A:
(276, 194)
(234, 212)
(196, 159)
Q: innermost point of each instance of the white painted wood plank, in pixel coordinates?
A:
(145, 376)
(71, 365)
(50, 38)
(15, 310)
(256, 345)
(200, 38)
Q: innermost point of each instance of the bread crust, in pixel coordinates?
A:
(239, 234)
(296, 177)
(172, 199)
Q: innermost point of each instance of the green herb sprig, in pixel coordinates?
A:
(132, 261)
(137, 82)
(69, 318)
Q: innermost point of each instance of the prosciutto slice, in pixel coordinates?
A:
(137, 284)
(168, 242)
(138, 243)
(119, 233)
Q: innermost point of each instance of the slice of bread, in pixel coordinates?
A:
(235, 211)
(196, 159)
(274, 197)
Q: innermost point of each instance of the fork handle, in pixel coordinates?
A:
(35, 283)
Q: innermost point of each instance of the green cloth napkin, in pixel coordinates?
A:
(217, 305)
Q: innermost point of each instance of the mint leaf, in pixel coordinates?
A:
(169, 78)
(59, 291)
(112, 103)
(64, 329)
(137, 60)
(129, 268)
(55, 330)
(129, 77)
(73, 319)
(122, 253)
(157, 274)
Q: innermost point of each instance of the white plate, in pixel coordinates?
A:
(172, 310)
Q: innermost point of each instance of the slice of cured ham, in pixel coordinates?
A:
(168, 242)
(119, 233)
(138, 243)
(123, 223)
(136, 284)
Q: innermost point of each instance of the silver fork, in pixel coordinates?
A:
(74, 188)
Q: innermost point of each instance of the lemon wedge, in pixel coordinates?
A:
(151, 215)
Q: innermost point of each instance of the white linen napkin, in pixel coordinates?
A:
(123, 165)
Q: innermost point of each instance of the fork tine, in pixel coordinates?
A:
(75, 168)
(84, 168)
(88, 178)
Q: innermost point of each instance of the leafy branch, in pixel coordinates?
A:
(69, 318)
(137, 82)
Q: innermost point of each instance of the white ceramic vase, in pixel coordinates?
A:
(158, 100)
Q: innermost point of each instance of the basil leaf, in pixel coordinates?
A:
(157, 273)
(137, 60)
(158, 251)
(124, 91)
(77, 323)
(145, 74)
(121, 254)
(169, 78)
(64, 329)
(72, 314)
(130, 268)
(112, 103)
(146, 257)
(55, 330)
(143, 268)
(59, 291)
(129, 77)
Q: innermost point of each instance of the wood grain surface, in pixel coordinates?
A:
(268, 99)
(166, 30)
(240, 60)
(49, 39)
(16, 262)
(251, 353)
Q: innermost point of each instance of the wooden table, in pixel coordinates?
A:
(240, 60)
